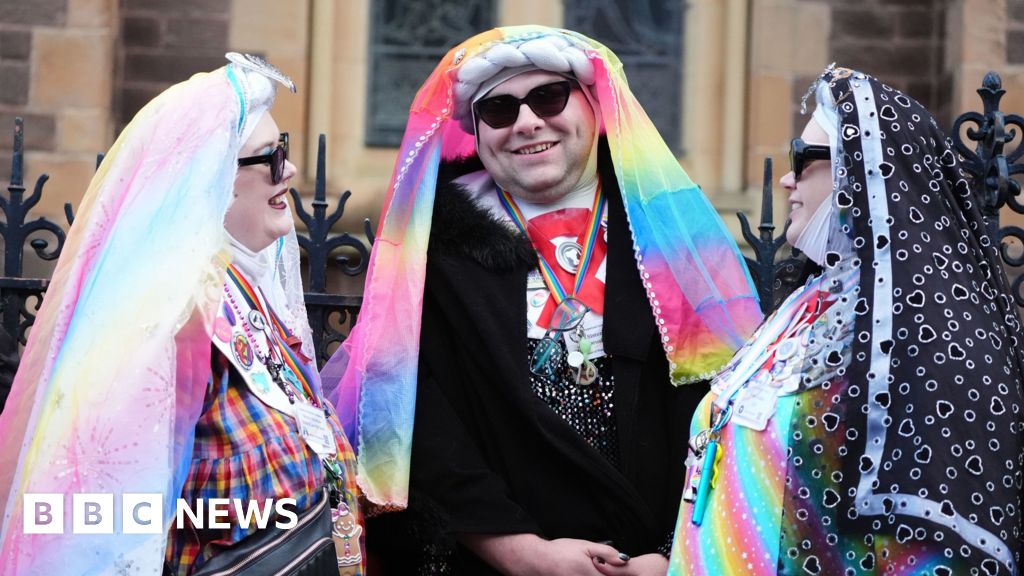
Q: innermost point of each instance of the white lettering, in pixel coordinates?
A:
(43, 514)
(196, 517)
(218, 508)
(246, 515)
(279, 507)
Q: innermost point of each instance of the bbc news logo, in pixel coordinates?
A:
(143, 513)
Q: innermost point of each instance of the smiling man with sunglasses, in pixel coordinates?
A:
(555, 358)
(535, 135)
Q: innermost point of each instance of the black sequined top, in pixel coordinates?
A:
(588, 408)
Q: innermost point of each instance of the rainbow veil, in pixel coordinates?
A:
(697, 282)
(113, 377)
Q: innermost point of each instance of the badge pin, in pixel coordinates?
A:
(786, 349)
(243, 352)
(261, 382)
(587, 373)
(568, 256)
(780, 373)
(538, 299)
(222, 329)
(256, 320)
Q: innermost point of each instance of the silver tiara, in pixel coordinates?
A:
(813, 87)
(257, 64)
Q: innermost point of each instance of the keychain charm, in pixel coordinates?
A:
(704, 474)
(708, 471)
(586, 371)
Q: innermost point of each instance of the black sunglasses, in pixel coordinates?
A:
(546, 100)
(801, 154)
(276, 159)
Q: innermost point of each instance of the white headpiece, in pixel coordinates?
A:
(483, 72)
(254, 75)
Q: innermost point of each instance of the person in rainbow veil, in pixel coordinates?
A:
(546, 294)
(873, 423)
(172, 354)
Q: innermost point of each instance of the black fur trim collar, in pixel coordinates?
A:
(461, 227)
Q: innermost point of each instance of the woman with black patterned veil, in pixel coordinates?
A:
(873, 423)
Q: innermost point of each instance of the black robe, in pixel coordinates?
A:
(488, 455)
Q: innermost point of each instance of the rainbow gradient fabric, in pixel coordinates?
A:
(740, 532)
(112, 379)
(696, 280)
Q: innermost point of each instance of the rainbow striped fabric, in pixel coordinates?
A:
(761, 519)
(740, 532)
(696, 280)
(302, 368)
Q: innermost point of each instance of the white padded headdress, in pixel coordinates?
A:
(486, 70)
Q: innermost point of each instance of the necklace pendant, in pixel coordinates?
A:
(568, 256)
(587, 373)
(275, 373)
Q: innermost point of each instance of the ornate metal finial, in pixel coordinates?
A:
(992, 170)
(319, 245)
(770, 277)
(992, 81)
(17, 160)
(991, 92)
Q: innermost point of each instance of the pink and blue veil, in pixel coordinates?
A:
(114, 373)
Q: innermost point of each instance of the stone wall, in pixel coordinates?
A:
(78, 70)
(904, 43)
(1015, 32)
(900, 42)
(17, 22)
(55, 72)
(160, 47)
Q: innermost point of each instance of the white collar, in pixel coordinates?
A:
(254, 265)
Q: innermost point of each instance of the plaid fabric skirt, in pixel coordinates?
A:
(247, 450)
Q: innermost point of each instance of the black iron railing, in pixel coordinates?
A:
(329, 312)
(773, 278)
(993, 170)
(17, 293)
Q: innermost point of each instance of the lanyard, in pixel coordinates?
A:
(289, 356)
(767, 341)
(587, 251)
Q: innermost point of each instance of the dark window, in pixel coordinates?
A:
(407, 39)
(647, 35)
